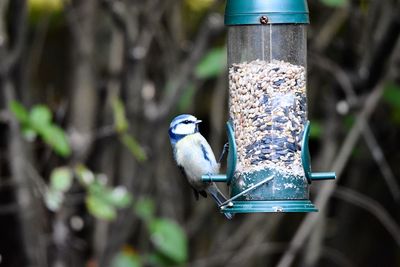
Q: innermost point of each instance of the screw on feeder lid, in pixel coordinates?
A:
(253, 12)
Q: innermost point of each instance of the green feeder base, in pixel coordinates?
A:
(269, 206)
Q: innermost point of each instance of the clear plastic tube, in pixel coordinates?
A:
(267, 95)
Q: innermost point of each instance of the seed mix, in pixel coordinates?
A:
(268, 108)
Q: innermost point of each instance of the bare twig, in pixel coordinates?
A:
(353, 100)
(338, 166)
(373, 207)
(382, 163)
(212, 25)
(38, 45)
(266, 248)
(330, 28)
(31, 172)
(217, 114)
(3, 26)
(374, 64)
(254, 238)
(9, 60)
(28, 209)
(219, 259)
(340, 75)
(315, 244)
(115, 63)
(84, 101)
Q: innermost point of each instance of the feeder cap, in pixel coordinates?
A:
(254, 12)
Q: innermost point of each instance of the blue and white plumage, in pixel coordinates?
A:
(193, 154)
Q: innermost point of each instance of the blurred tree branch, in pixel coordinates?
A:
(327, 189)
(338, 166)
(212, 25)
(371, 206)
(29, 210)
(354, 102)
(383, 51)
(16, 41)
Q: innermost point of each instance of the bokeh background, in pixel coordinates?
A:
(87, 178)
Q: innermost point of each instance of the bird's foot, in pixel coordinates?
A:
(224, 150)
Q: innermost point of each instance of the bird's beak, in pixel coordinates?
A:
(198, 121)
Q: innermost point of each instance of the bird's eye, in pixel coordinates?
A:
(186, 122)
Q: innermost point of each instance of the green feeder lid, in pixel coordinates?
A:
(253, 12)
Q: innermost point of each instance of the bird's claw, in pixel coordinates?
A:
(224, 150)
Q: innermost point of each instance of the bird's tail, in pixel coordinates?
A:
(219, 198)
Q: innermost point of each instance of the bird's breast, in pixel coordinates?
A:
(190, 156)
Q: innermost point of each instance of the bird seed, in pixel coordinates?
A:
(268, 109)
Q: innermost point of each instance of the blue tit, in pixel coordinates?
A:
(194, 156)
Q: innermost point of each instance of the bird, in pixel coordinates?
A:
(194, 157)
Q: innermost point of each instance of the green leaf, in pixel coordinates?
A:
(53, 199)
(169, 239)
(391, 95)
(119, 197)
(186, 99)
(85, 176)
(134, 147)
(212, 64)
(348, 121)
(120, 121)
(158, 259)
(40, 116)
(145, 209)
(335, 3)
(98, 189)
(56, 138)
(19, 111)
(61, 179)
(100, 208)
(315, 130)
(126, 259)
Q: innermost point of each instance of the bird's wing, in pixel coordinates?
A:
(208, 154)
(205, 152)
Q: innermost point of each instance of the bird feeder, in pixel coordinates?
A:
(268, 166)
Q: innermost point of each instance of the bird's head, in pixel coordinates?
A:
(182, 126)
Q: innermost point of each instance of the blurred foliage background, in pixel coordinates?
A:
(87, 178)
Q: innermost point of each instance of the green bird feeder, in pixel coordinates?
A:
(268, 166)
